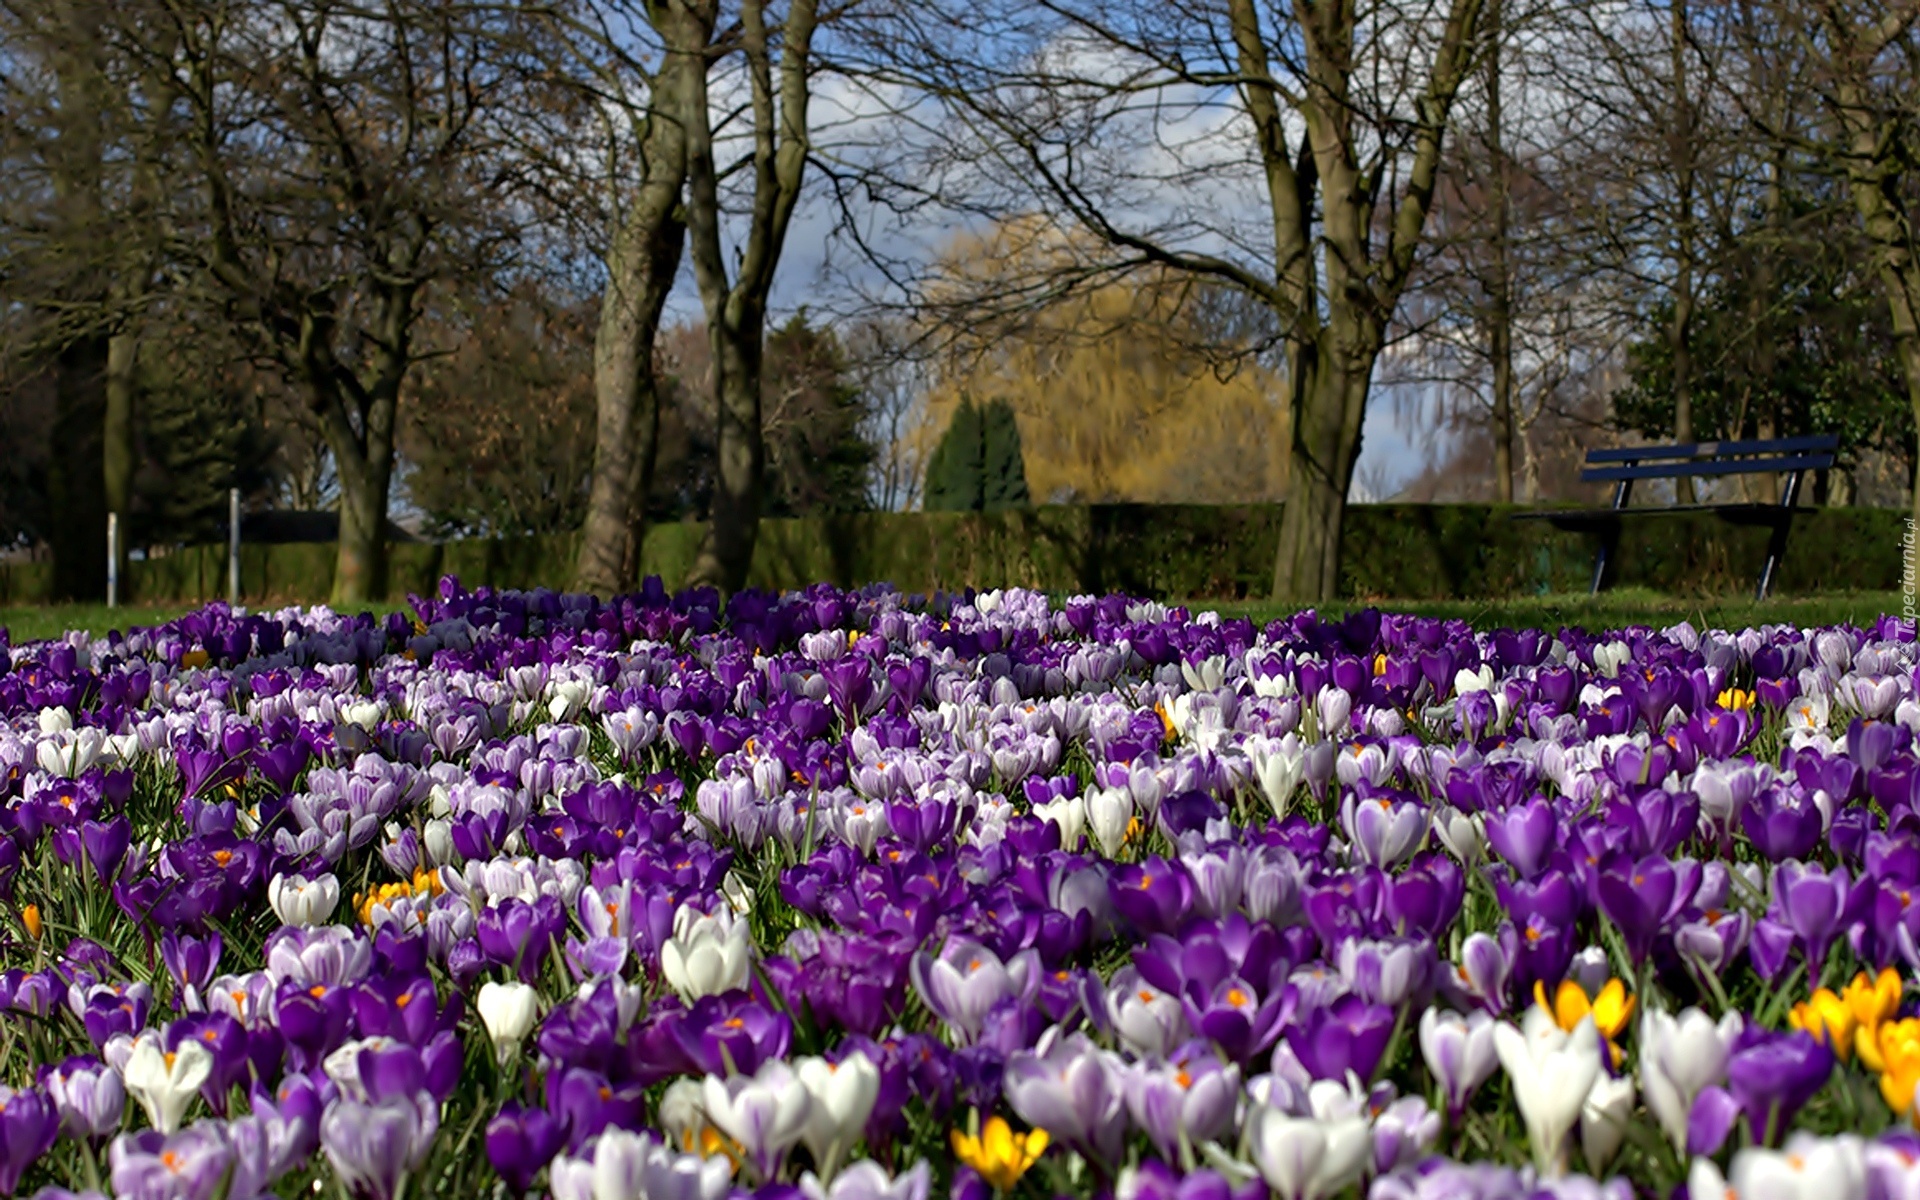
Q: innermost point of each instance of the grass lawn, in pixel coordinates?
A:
(1627, 606)
(1611, 610)
(31, 624)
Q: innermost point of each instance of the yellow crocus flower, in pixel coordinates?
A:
(1610, 1010)
(1875, 1001)
(1894, 1052)
(30, 921)
(1829, 1019)
(1000, 1155)
(1735, 698)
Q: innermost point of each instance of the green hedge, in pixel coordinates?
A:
(1393, 551)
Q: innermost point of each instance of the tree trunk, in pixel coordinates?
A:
(76, 506)
(1500, 287)
(363, 459)
(1502, 347)
(640, 268)
(117, 449)
(1680, 332)
(736, 311)
(733, 524)
(646, 452)
(641, 265)
(1330, 396)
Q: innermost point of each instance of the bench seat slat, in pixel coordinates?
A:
(1683, 450)
(1742, 466)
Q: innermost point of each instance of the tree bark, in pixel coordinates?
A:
(1500, 287)
(641, 265)
(357, 418)
(77, 514)
(365, 466)
(1330, 399)
(1680, 329)
(1879, 180)
(1338, 321)
(736, 310)
(117, 443)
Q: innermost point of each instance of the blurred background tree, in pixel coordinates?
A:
(978, 465)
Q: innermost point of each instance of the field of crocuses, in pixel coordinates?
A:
(861, 896)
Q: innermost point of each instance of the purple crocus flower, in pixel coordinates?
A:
(1816, 904)
(721, 1039)
(1459, 1051)
(521, 1142)
(89, 1095)
(1072, 1089)
(1389, 971)
(1637, 897)
(1781, 823)
(29, 1123)
(519, 935)
(104, 843)
(372, 1146)
(191, 961)
(1772, 1076)
(1192, 1095)
(189, 1164)
(1481, 976)
(1346, 1035)
(964, 982)
(1155, 1180)
(1523, 835)
(1384, 833)
(1155, 896)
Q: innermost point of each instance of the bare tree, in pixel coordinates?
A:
(1155, 124)
(776, 65)
(1867, 71)
(343, 155)
(83, 140)
(621, 159)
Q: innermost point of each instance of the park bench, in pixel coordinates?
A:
(1624, 465)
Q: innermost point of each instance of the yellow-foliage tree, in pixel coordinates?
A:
(1125, 389)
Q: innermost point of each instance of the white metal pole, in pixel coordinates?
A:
(113, 560)
(233, 546)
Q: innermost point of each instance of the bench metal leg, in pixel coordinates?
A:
(1609, 539)
(1777, 540)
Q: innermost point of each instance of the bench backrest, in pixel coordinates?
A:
(1812, 453)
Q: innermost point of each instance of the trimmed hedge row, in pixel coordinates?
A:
(1392, 551)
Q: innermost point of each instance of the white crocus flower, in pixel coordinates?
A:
(1806, 1168)
(508, 1010)
(1279, 764)
(708, 954)
(736, 893)
(765, 1113)
(1070, 814)
(1608, 658)
(1465, 681)
(364, 713)
(297, 900)
(1552, 1072)
(1680, 1057)
(841, 1098)
(1306, 1159)
(1108, 812)
(165, 1083)
(565, 698)
(1603, 1119)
